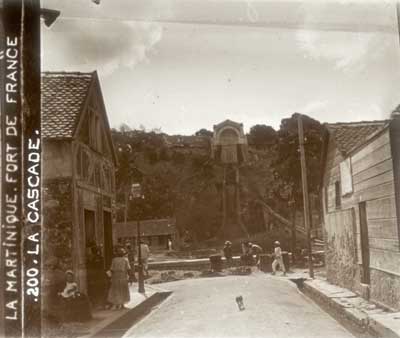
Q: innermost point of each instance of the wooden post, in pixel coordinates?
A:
(224, 208)
(292, 206)
(305, 194)
(126, 209)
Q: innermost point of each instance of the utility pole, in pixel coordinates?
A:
(136, 191)
(140, 265)
(224, 207)
(305, 194)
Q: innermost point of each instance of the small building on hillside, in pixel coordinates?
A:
(155, 232)
(361, 205)
(79, 165)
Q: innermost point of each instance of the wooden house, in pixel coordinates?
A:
(79, 164)
(155, 232)
(361, 205)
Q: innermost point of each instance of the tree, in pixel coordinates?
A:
(287, 164)
(262, 135)
(124, 128)
(204, 132)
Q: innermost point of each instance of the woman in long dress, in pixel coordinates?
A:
(119, 290)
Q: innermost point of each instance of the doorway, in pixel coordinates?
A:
(90, 228)
(108, 238)
(365, 276)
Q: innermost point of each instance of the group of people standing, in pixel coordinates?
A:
(251, 254)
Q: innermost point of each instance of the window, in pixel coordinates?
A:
(346, 177)
(337, 195)
(326, 199)
(90, 227)
(85, 164)
(99, 134)
(95, 130)
(79, 162)
(97, 176)
(92, 129)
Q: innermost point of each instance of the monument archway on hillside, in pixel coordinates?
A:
(229, 143)
(229, 149)
(228, 135)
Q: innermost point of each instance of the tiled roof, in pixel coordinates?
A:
(152, 227)
(63, 96)
(349, 136)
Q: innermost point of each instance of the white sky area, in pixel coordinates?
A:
(183, 65)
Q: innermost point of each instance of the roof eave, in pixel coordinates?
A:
(65, 138)
(372, 136)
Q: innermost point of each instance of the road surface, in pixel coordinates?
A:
(207, 308)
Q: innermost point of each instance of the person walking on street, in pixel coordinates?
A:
(245, 248)
(131, 258)
(120, 268)
(247, 257)
(145, 253)
(278, 260)
(257, 251)
(228, 253)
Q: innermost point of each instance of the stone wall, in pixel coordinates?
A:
(56, 159)
(341, 267)
(57, 235)
(385, 289)
(58, 218)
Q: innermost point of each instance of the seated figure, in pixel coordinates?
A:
(75, 305)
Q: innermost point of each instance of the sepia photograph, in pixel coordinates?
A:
(200, 168)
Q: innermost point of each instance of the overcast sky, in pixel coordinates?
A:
(182, 65)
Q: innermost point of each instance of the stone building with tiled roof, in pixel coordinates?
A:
(79, 163)
(361, 208)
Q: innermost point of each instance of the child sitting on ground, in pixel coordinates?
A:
(76, 307)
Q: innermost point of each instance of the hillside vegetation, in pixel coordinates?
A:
(180, 180)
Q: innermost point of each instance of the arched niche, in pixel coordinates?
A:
(228, 136)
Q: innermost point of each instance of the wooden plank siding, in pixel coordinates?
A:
(381, 178)
(375, 192)
(373, 182)
(373, 171)
(384, 208)
(384, 244)
(380, 141)
(370, 159)
(385, 260)
(394, 133)
(383, 228)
